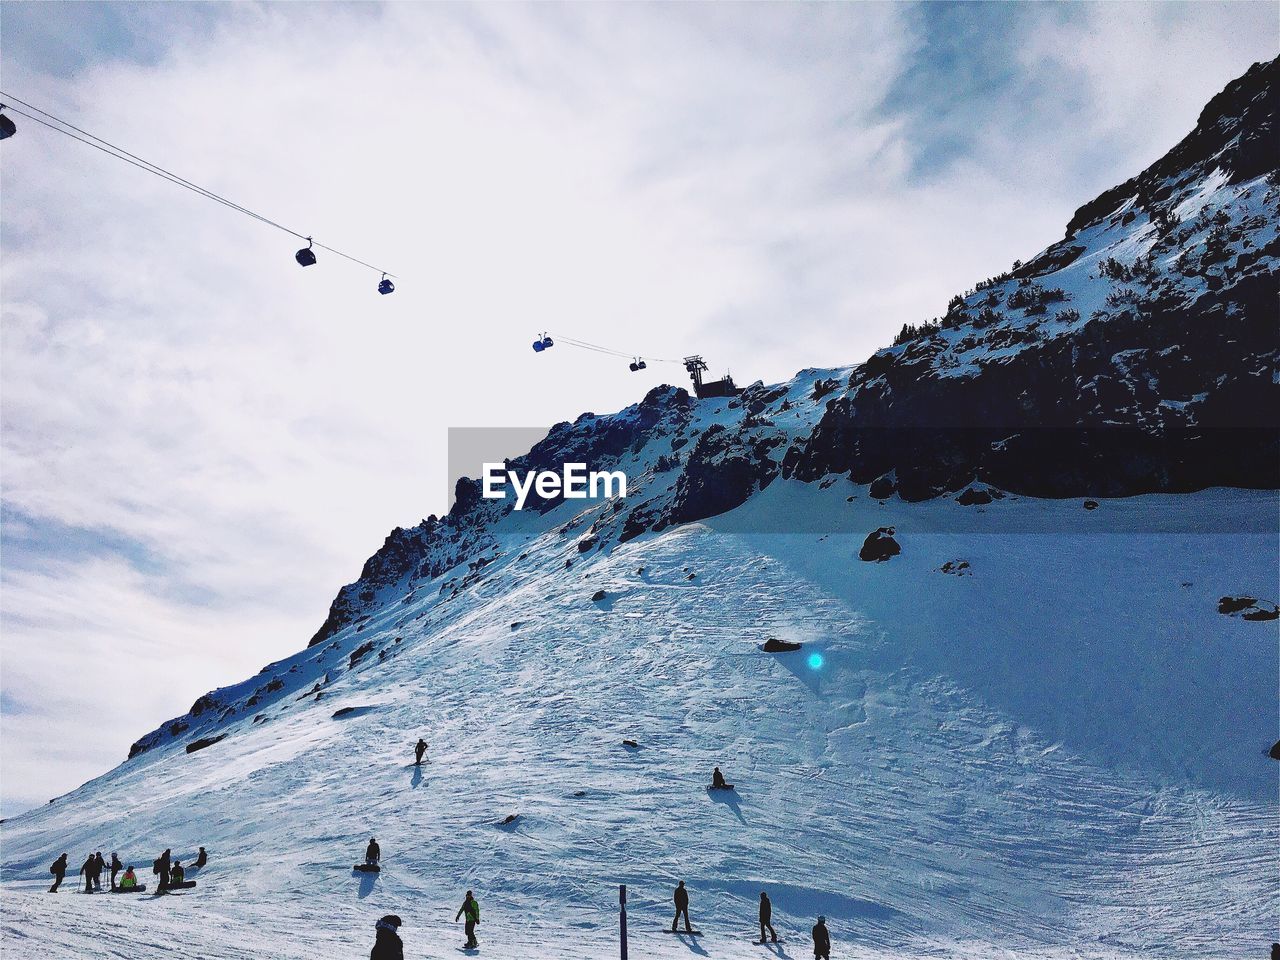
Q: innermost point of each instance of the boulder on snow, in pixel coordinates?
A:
(634, 745)
(203, 742)
(974, 497)
(586, 543)
(882, 487)
(598, 596)
(359, 653)
(509, 819)
(774, 645)
(1091, 504)
(1274, 753)
(959, 568)
(1248, 608)
(879, 545)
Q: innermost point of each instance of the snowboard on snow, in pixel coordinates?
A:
(367, 868)
(686, 933)
(184, 885)
(140, 888)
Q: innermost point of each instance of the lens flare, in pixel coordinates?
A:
(815, 661)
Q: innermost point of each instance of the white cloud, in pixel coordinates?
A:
(668, 179)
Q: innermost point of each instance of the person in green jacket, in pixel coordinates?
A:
(471, 908)
(129, 880)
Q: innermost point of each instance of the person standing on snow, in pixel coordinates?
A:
(766, 917)
(373, 852)
(681, 898)
(99, 867)
(86, 871)
(418, 751)
(472, 911)
(59, 870)
(116, 867)
(161, 869)
(387, 944)
(821, 940)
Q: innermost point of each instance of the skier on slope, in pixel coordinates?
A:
(86, 871)
(681, 898)
(821, 940)
(372, 853)
(766, 917)
(387, 944)
(471, 908)
(116, 867)
(59, 870)
(418, 751)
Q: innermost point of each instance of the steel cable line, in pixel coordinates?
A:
(64, 127)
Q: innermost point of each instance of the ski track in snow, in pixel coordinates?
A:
(924, 790)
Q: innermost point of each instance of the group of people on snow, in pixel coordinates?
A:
(387, 944)
(95, 865)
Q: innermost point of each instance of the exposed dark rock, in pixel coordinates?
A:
(972, 496)
(1248, 608)
(359, 653)
(959, 568)
(203, 742)
(774, 645)
(207, 702)
(598, 596)
(882, 487)
(631, 743)
(587, 543)
(1091, 504)
(879, 546)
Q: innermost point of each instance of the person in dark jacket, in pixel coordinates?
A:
(373, 852)
(821, 940)
(161, 869)
(681, 897)
(471, 909)
(766, 917)
(418, 751)
(387, 944)
(99, 867)
(202, 858)
(116, 867)
(59, 870)
(86, 871)
(717, 779)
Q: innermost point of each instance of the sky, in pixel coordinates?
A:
(200, 441)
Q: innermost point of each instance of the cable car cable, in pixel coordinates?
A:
(121, 154)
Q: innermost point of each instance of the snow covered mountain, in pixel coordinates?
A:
(1036, 730)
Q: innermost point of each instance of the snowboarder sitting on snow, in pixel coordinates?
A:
(372, 853)
(766, 917)
(418, 751)
(177, 874)
(717, 781)
(59, 870)
(202, 858)
(472, 911)
(387, 944)
(821, 940)
(681, 897)
(129, 880)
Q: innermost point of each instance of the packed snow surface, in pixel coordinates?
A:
(1058, 753)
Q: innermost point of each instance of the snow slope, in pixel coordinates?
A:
(1058, 755)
